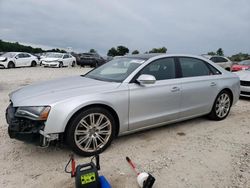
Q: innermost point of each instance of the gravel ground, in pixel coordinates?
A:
(195, 153)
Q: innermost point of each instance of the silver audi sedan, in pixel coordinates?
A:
(125, 95)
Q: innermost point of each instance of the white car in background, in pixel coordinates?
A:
(58, 60)
(17, 59)
(224, 62)
(244, 82)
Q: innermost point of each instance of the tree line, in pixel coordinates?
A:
(122, 50)
(16, 47)
(236, 57)
(114, 51)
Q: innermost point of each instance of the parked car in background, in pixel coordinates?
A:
(224, 62)
(17, 59)
(125, 95)
(244, 82)
(43, 56)
(76, 56)
(241, 65)
(91, 59)
(58, 60)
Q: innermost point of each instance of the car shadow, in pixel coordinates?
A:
(245, 98)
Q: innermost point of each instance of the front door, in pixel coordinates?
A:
(156, 103)
(20, 60)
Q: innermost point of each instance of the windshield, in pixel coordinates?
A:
(9, 54)
(246, 62)
(54, 55)
(116, 70)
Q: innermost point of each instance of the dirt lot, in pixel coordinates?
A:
(195, 153)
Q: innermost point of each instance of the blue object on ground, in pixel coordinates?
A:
(104, 182)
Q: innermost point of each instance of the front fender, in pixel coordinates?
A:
(61, 113)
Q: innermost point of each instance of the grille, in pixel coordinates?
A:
(245, 83)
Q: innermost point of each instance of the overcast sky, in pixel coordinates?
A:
(182, 26)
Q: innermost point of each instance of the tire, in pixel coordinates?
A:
(60, 65)
(73, 64)
(33, 64)
(96, 64)
(86, 138)
(222, 106)
(11, 65)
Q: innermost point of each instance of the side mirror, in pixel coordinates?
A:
(16, 57)
(145, 79)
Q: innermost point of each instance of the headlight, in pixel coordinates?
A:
(33, 112)
(4, 60)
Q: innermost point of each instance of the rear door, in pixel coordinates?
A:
(156, 103)
(198, 86)
(27, 59)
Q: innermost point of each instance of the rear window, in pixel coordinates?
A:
(192, 67)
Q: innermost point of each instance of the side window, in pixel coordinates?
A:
(26, 55)
(221, 59)
(65, 56)
(213, 69)
(161, 69)
(20, 55)
(193, 67)
(214, 59)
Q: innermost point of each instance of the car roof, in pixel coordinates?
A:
(56, 53)
(162, 55)
(143, 56)
(88, 53)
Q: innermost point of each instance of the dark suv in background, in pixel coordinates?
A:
(90, 59)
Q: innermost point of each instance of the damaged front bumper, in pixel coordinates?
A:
(27, 130)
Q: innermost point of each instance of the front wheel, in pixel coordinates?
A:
(60, 64)
(222, 106)
(11, 65)
(91, 131)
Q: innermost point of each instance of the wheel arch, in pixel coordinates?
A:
(230, 93)
(33, 61)
(110, 109)
(11, 61)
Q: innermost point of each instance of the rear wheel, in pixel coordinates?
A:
(222, 106)
(11, 65)
(91, 131)
(73, 64)
(33, 64)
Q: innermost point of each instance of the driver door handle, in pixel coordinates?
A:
(175, 89)
(212, 84)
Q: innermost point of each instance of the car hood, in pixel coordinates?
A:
(50, 92)
(244, 75)
(50, 59)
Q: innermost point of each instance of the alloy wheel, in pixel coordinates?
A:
(222, 105)
(93, 132)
